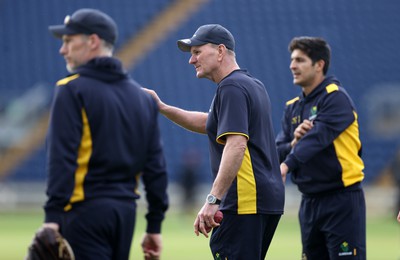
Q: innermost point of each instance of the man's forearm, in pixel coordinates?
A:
(191, 120)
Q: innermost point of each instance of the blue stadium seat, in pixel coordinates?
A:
(364, 40)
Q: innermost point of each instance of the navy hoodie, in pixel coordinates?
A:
(328, 157)
(103, 136)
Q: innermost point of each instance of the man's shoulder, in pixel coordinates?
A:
(237, 76)
(336, 92)
(240, 79)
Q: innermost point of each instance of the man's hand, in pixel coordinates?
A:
(284, 171)
(301, 130)
(152, 246)
(160, 104)
(51, 225)
(205, 218)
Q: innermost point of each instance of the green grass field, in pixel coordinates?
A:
(180, 242)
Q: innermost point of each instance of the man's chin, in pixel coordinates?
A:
(70, 69)
(296, 82)
(199, 75)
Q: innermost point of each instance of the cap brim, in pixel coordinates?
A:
(60, 30)
(186, 44)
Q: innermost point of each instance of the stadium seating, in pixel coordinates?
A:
(364, 39)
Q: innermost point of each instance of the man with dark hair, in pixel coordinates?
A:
(319, 144)
(103, 137)
(247, 186)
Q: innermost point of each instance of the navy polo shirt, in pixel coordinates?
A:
(242, 106)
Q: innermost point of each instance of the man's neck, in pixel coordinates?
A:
(308, 89)
(225, 71)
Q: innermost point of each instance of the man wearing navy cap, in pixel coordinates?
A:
(103, 137)
(247, 186)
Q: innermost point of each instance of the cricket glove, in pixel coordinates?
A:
(49, 244)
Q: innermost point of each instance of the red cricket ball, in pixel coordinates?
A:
(217, 218)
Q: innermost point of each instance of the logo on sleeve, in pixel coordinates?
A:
(313, 113)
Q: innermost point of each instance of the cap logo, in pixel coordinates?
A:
(67, 19)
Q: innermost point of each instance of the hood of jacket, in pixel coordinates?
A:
(321, 87)
(106, 69)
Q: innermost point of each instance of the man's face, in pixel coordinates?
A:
(76, 50)
(205, 60)
(304, 72)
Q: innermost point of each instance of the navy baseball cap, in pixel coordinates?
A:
(209, 33)
(87, 21)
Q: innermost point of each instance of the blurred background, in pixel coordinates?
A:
(364, 37)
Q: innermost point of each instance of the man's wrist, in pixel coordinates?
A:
(212, 199)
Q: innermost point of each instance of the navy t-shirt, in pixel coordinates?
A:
(242, 106)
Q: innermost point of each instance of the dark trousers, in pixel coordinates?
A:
(333, 226)
(100, 229)
(241, 237)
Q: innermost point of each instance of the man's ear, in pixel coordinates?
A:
(94, 41)
(221, 50)
(320, 65)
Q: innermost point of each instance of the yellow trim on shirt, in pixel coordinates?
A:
(222, 140)
(67, 79)
(84, 154)
(332, 87)
(246, 187)
(347, 146)
(292, 101)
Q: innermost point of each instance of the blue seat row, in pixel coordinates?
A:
(364, 41)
